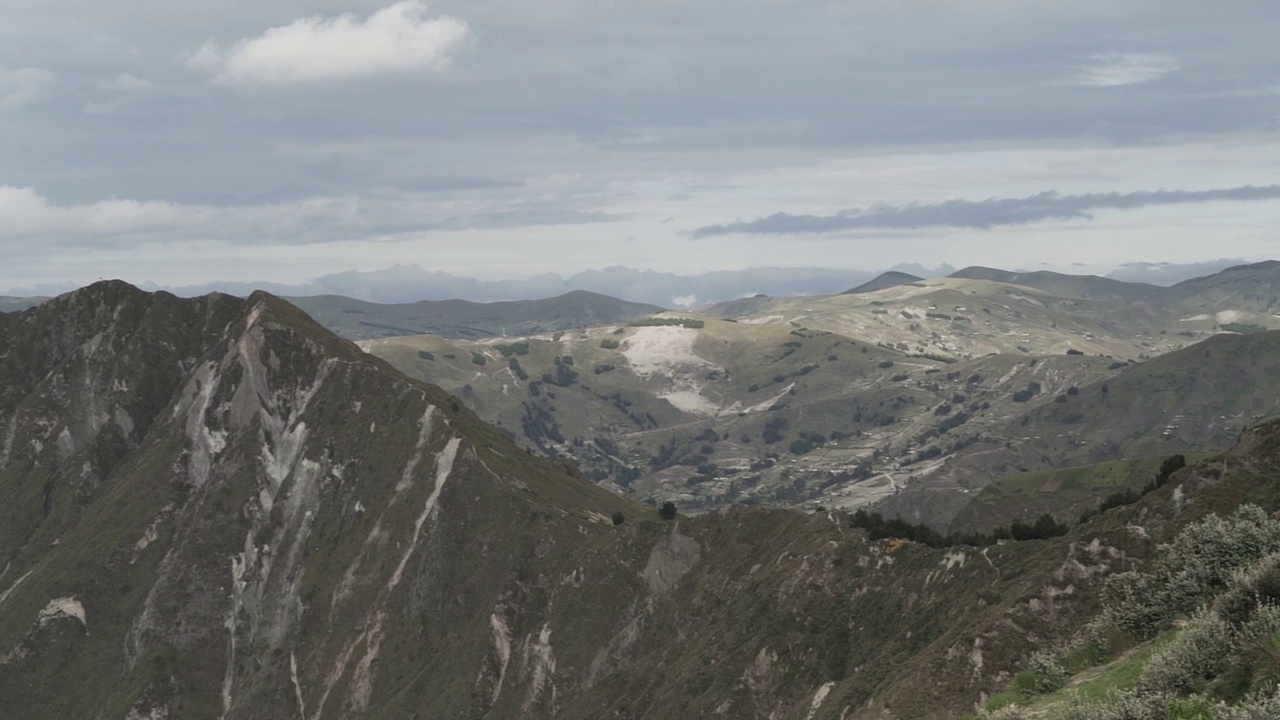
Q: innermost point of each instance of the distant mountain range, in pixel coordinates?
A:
(411, 283)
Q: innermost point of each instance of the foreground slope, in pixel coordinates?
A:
(220, 510)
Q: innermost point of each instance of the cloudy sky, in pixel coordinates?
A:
(232, 140)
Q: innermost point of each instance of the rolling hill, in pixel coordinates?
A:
(884, 281)
(359, 320)
(1194, 400)
(1237, 289)
(834, 401)
(1088, 287)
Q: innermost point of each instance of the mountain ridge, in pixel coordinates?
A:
(287, 526)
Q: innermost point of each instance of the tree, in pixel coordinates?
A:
(667, 511)
(618, 518)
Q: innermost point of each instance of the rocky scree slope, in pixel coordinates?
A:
(216, 509)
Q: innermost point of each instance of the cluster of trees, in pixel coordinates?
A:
(878, 528)
(516, 348)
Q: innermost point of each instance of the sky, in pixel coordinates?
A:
(202, 141)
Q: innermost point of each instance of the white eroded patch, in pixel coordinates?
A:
(954, 558)
(763, 320)
(668, 352)
(542, 665)
(502, 648)
(819, 697)
(63, 607)
(5, 595)
(690, 400)
(362, 676)
(656, 350)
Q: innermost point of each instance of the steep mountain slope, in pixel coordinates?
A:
(893, 278)
(224, 511)
(357, 320)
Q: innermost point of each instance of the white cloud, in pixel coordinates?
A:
(22, 86)
(684, 301)
(1116, 69)
(29, 215)
(395, 39)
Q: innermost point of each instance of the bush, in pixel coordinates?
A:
(800, 447)
(1195, 567)
(1042, 675)
(667, 511)
(1194, 657)
(610, 344)
(618, 518)
(478, 358)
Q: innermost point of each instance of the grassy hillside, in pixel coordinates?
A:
(1233, 291)
(885, 281)
(1194, 400)
(359, 320)
(1089, 287)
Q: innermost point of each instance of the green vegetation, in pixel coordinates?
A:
(610, 344)
(478, 358)
(1243, 328)
(878, 528)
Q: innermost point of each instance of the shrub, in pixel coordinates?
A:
(1042, 675)
(801, 447)
(1195, 656)
(610, 344)
(667, 511)
(478, 358)
(618, 518)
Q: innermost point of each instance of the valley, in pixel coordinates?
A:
(916, 394)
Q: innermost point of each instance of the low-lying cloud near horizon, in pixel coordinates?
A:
(982, 214)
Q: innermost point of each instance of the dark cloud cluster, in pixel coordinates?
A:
(982, 214)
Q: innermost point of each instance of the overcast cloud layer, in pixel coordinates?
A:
(191, 142)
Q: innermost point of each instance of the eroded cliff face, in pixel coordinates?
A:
(216, 509)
